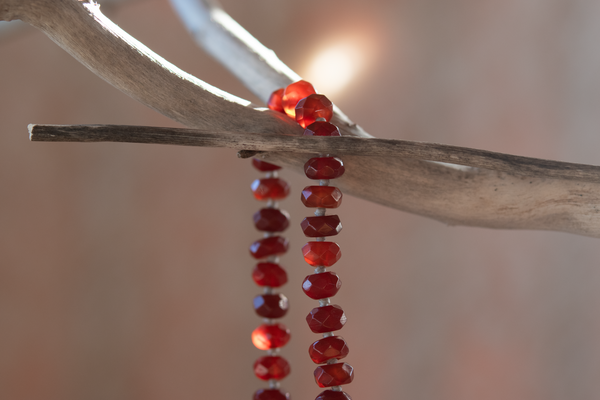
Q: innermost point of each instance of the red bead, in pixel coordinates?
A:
(321, 286)
(271, 394)
(270, 188)
(324, 168)
(271, 305)
(271, 367)
(269, 274)
(321, 128)
(312, 107)
(325, 225)
(271, 246)
(321, 196)
(333, 395)
(271, 220)
(293, 94)
(275, 101)
(264, 166)
(327, 349)
(334, 374)
(321, 253)
(326, 319)
(267, 337)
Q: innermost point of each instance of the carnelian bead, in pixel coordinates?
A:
(271, 367)
(326, 319)
(269, 274)
(321, 253)
(293, 94)
(267, 337)
(324, 168)
(333, 395)
(326, 225)
(321, 286)
(329, 348)
(264, 166)
(321, 128)
(334, 374)
(312, 107)
(271, 305)
(321, 196)
(271, 220)
(271, 394)
(270, 188)
(271, 246)
(275, 101)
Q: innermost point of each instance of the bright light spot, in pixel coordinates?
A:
(333, 68)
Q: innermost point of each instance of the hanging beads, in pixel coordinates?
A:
(270, 336)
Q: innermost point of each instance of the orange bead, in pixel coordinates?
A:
(312, 107)
(293, 94)
(275, 101)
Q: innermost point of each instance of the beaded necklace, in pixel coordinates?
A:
(313, 112)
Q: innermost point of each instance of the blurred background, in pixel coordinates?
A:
(124, 269)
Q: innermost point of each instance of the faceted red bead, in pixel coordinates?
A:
(325, 225)
(327, 349)
(271, 246)
(275, 101)
(264, 166)
(321, 253)
(321, 196)
(334, 374)
(321, 286)
(267, 337)
(324, 168)
(271, 220)
(321, 128)
(269, 274)
(312, 107)
(271, 394)
(271, 305)
(333, 395)
(270, 188)
(293, 94)
(326, 319)
(271, 367)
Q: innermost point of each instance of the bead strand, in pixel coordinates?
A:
(270, 336)
(313, 112)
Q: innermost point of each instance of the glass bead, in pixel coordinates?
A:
(270, 188)
(334, 374)
(324, 168)
(333, 395)
(270, 394)
(326, 319)
(325, 225)
(271, 305)
(321, 253)
(329, 348)
(271, 220)
(271, 367)
(321, 196)
(275, 101)
(321, 128)
(267, 336)
(312, 107)
(269, 274)
(321, 286)
(293, 94)
(271, 246)
(264, 166)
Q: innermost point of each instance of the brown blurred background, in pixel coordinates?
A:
(124, 270)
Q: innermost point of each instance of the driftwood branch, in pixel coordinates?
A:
(451, 194)
(340, 146)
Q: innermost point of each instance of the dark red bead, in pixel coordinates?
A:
(271, 220)
(270, 394)
(267, 336)
(321, 286)
(264, 166)
(324, 168)
(269, 274)
(271, 305)
(293, 94)
(333, 395)
(321, 196)
(271, 367)
(321, 253)
(271, 246)
(312, 107)
(270, 188)
(327, 349)
(326, 319)
(325, 225)
(321, 128)
(275, 101)
(334, 374)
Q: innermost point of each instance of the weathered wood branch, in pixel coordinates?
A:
(451, 194)
(340, 146)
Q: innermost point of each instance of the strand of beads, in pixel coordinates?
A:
(313, 112)
(270, 336)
